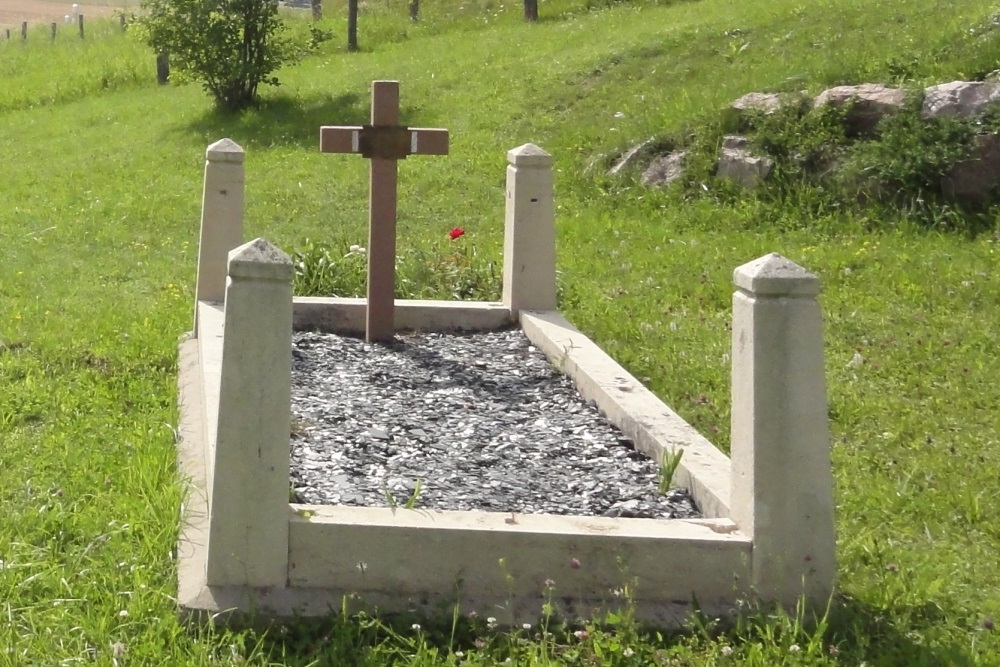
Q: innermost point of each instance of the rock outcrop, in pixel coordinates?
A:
(870, 102)
(629, 158)
(963, 99)
(664, 169)
(738, 165)
(974, 179)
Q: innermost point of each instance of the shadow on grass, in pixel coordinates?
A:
(281, 120)
(601, 5)
(884, 637)
(855, 633)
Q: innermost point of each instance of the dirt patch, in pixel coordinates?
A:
(13, 12)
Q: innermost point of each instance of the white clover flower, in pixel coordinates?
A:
(415, 627)
(794, 648)
(727, 651)
(491, 622)
(628, 652)
(526, 626)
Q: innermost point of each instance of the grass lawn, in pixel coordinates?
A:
(99, 213)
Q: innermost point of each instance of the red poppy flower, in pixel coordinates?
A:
(455, 233)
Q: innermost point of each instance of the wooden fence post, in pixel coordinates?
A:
(414, 10)
(24, 31)
(54, 24)
(317, 9)
(79, 20)
(121, 19)
(782, 484)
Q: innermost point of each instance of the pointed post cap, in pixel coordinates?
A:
(773, 275)
(529, 155)
(225, 150)
(259, 260)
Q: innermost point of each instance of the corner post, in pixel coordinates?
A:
(221, 219)
(248, 498)
(782, 485)
(529, 249)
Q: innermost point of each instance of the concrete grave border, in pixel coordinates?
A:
(244, 549)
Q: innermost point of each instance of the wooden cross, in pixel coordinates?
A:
(384, 142)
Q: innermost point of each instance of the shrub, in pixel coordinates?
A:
(231, 46)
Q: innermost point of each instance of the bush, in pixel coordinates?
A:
(231, 46)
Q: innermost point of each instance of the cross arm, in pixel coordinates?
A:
(383, 141)
(340, 139)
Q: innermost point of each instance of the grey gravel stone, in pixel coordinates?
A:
(460, 421)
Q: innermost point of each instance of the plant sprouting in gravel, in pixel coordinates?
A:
(668, 466)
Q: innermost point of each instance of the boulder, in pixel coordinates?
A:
(767, 103)
(735, 142)
(872, 101)
(974, 180)
(736, 115)
(664, 170)
(742, 168)
(629, 158)
(963, 99)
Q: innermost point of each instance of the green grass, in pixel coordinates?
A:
(101, 185)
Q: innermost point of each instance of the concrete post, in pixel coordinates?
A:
(529, 249)
(221, 219)
(782, 486)
(248, 530)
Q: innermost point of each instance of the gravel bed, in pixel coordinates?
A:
(459, 421)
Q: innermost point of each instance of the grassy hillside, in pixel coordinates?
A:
(101, 181)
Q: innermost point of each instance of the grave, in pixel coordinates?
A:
(244, 548)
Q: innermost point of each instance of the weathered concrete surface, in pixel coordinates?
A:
(495, 556)
(529, 248)
(347, 316)
(654, 427)
(248, 525)
(221, 219)
(782, 485)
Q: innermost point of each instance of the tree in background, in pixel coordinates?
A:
(231, 46)
(530, 10)
(352, 25)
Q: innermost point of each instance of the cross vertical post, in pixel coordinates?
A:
(384, 142)
(379, 316)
